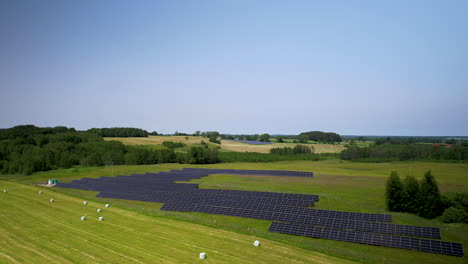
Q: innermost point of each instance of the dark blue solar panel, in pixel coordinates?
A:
(434, 246)
(253, 142)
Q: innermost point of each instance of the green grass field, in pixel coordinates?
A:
(347, 186)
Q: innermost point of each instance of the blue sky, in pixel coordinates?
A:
(351, 67)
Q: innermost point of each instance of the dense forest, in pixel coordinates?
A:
(26, 149)
(388, 152)
(120, 132)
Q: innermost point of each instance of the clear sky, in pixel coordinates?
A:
(351, 67)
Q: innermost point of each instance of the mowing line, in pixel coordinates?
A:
(82, 231)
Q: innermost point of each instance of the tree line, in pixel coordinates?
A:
(120, 132)
(389, 152)
(424, 198)
(326, 137)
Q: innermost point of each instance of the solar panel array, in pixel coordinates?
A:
(427, 245)
(290, 209)
(253, 142)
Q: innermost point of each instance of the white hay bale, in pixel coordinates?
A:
(85, 202)
(52, 200)
(101, 218)
(99, 210)
(5, 191)
(40, 192)
(83, 218)
(257, 243)
(203, 255)
(107, 205)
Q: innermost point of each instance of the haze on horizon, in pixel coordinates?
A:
(238, 67)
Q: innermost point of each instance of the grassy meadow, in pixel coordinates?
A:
(342, 185)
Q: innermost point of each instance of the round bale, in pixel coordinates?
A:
(107, 205)
(52, 200)
(101, 218)
(85, 202)
(99, 210)
(83, 218)
(257, 243)
(40, 192)
(203, 255)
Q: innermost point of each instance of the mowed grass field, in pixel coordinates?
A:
(342, 185)
(34, 230)
(226, 145)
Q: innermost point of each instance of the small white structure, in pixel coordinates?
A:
(203, 255)
(5, 190)
(40, 192)
(85, 202)
(83, 218)
(257, 243)
(101, 218)
(99, 210)
(52, 200)
(107, 205)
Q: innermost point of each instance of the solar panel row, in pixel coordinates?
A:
(434, 246)
(309, 217)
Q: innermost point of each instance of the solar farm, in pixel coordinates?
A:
(291, 213)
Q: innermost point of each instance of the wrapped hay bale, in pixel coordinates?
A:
(107, 205)
(99, 210)
(52, 200)
(202, 255)
(85, 202)
(101, 218)
(83, 218)
(257, 243)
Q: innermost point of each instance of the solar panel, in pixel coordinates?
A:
(433, 246)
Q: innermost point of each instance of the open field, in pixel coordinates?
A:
(342, 185)
(33, 230)
(242, 147)
(226, 145)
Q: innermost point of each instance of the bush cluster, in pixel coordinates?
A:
(298, 149)
(173, 145)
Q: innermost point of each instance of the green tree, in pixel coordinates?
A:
(265, 138)
(394, 192)
(411, 195)
(429, 198)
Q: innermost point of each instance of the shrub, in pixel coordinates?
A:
(454, 215)
(173, 145)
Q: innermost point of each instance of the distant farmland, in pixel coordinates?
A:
(226, 145)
